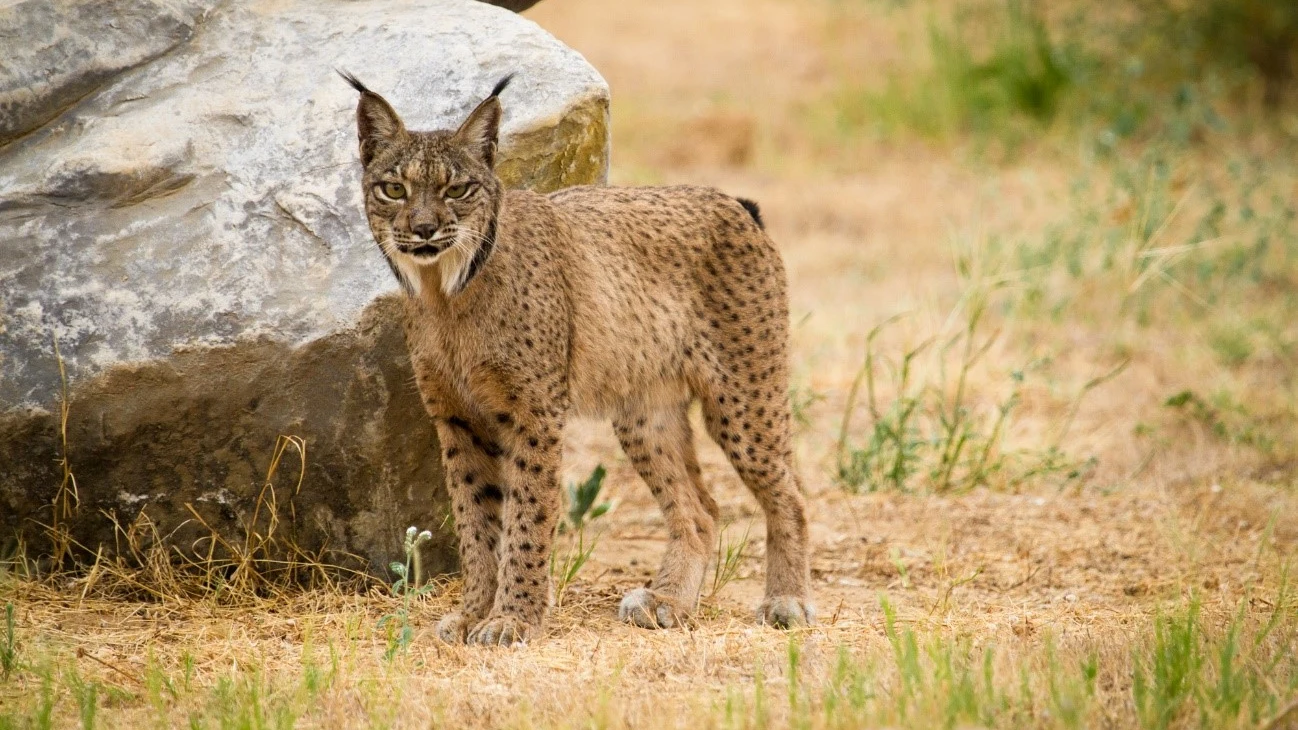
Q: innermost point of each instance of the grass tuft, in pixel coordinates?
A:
(9, 647)
(931, 435)
(730, 557)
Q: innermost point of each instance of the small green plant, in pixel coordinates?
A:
(894, 555)
(563, 571)
(583, 507)
(1226, 418)
(1071, 700)
(1164, 681)
(1239, 42)
(407, 587)
(1205, 252)
(248, 700)
(961, 444)
(799, 712)
(44, 715)
(87, 696)
(730, 556)
(930, 427)
(1226, 679)
(582, 499)
(801, 399)
(9, 648)
(933, 430)
(849, 692)
(1027, 72)
(1232, 344)
(316, 679)
(996, 70)
(892, 451)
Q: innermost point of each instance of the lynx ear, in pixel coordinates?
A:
(377, 123)
(481, 129)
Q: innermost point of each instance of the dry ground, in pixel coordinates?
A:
(1009, 591)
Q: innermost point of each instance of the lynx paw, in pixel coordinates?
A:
(786, 612)
(649, 610)
(500, 631)
(453, 628)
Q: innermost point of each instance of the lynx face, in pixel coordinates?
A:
(431, 198)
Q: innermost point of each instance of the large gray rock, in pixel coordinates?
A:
(186, 221)
(57, 53)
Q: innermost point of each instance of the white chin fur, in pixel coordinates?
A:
(409, 267)
(452, 265)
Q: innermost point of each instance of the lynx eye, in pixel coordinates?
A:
(392, 190)
(455, 192)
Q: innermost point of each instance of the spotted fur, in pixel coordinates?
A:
(625, 303)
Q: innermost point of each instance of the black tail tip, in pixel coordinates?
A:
(355, 82)
(501, 84)
(754, 211)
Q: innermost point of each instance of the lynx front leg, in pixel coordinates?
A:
(531, 466)
(473, 478)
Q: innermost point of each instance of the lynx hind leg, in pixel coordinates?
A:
(760, 454)
(746, 409)
(660, 445)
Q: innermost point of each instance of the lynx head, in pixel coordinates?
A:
(431, 197)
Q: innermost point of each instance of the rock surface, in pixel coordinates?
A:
(180, 208)
(57, 53)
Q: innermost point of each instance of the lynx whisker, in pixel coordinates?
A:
(471, 234)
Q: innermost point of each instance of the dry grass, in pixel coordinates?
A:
(1051, 602)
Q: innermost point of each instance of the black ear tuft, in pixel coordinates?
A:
(355, 82)
(501, 84)
(377, 123)
(481, 128)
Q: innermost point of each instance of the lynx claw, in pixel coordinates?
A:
(649, 610)
(500, 631)
(786, 612)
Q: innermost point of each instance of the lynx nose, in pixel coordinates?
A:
(424, 230)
